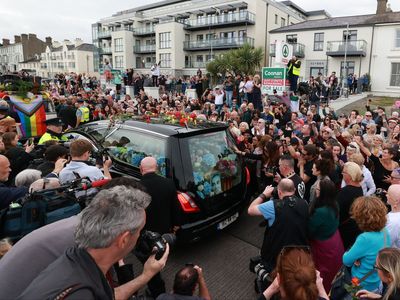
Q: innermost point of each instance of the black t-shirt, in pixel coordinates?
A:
(299, 185)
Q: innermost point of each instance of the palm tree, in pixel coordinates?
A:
(245, 60)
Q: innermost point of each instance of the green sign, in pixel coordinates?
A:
(273, 79)
(285, 51)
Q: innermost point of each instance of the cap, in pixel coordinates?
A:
(55, 122)
(392, 120)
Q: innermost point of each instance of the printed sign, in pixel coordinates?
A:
(274, 79)
(284, 53)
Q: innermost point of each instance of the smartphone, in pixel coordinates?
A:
(31, 141)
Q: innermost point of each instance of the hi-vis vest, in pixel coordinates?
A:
(85, 113)
(48, 137)
(295, 70)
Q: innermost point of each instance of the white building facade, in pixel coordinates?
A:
(67, 57)
(367, 44)
(185, 34)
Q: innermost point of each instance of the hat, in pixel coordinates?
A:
(392, 120)
(55, 122)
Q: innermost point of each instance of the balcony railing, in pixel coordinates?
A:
(144, 30)
(221, 43)
(238, 18)
(145, 49)
(105, 50)
(298, 50)
(104, 34)
(195, 64)
(146, 65)
(354, 48)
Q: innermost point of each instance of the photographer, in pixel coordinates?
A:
(287, 221)
(185, 283)
(105, 233)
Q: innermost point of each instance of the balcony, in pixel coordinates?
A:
(224, 20)
(354, 48)
(105, 51)
(195, 64)
(216, 44)
(143, 31)
(104, 34)
(145, 49)
(298, 50)
(146, 65)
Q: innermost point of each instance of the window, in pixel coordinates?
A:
(118, 46)
(283, 22)
(210, 36)
(350, 66)
(131, 147)
(276, 19)
(319, 41)
(291, 38)
(209, 57)
(395, 75)
(242, 34)
(397, 43)
(199, 37)
(199, 58)
(165, 59)
(119, 62)
(165, 40)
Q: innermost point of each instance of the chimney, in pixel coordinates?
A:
(381, 8)
(24, 37)
(48, 40)
(32, 36)
(78, 42)
(6, 42)
(17, 38)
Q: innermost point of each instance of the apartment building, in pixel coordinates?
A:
(64, 57)
(24, 48)
(348, 45)
(185, 34)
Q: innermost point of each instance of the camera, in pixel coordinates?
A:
(151, 242)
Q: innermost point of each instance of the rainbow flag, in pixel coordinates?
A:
(31, 113)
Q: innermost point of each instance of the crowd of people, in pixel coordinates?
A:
(327, 184)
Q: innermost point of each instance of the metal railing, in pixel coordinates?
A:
(212, 20)
(104, 34)
(146, 65)
(144, 30)
(298, 49)
(195, 64)
(352, 46)
(144, 48)
(221, 43)
(105, 50)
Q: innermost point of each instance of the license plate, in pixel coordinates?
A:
(228, 221)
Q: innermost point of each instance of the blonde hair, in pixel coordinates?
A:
(358, 158)
(389, 261)
(354, 171)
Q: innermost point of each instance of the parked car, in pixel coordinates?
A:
(210, 178)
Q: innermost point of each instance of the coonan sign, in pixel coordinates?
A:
(273, 79)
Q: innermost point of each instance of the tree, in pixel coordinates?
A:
(245, 60)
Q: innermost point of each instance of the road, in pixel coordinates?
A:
(224, 258)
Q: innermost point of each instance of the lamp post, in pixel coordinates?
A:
(345, 58)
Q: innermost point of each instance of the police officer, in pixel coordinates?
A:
(82, 113)
(293, 72)
(53, 131)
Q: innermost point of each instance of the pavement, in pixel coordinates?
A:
(342, 101)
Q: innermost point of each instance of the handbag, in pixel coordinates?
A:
(343, 277)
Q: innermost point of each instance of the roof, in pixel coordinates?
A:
(318, 12)
(33, 59)
(157, 125)
(85, 47)
(341, 22)
(149, 6)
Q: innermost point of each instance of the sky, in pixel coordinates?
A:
(73, 18)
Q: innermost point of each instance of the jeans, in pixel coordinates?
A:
(229, 95)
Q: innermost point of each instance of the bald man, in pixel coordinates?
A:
(162, 215)
(8, 194)
(287, 219)
(393, 218)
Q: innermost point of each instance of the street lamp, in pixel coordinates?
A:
(345, 58)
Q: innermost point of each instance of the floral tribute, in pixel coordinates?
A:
(353, 288)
